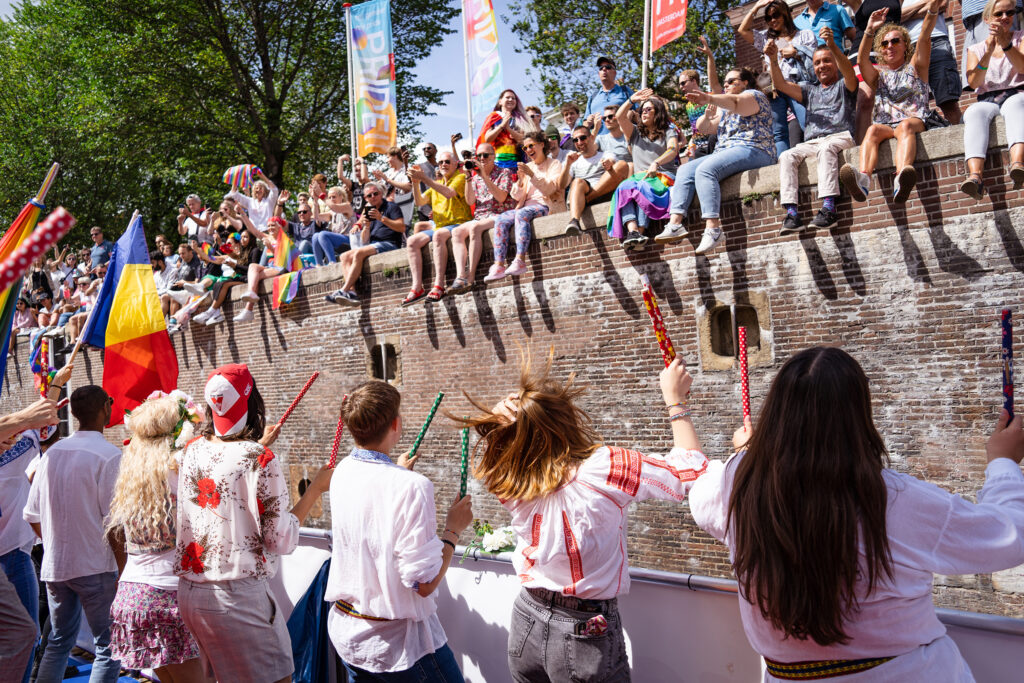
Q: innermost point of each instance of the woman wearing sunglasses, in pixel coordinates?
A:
(900, 81)
(995, 69)
(796, 48)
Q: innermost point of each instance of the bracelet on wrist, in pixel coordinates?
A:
(981, 68)
(681, 404)
(447, 542)
(679, 416)
(449, 531)
(934, 14)
(1007, 48)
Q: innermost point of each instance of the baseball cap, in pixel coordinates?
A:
(605, 60)
(227, 393)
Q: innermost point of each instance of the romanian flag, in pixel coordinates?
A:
(138, 358)
(287, 257)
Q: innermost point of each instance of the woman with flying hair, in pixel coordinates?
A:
(834, 552)
(568, 495)
(146, 630)
(504, 128)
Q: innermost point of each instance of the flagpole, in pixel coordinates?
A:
(469, 88)
(351, 85)
(647, 43)
(88, 319)
(51, 175)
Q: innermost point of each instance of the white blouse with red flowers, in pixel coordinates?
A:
(573, 540)
(233, 512)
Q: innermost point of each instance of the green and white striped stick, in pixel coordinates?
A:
(464, 467)
(426, 424)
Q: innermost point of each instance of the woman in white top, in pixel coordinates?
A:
(146, 630)
(569, 495)
(834, 552)
(260, 206)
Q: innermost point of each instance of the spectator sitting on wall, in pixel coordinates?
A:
(223, 222)
(504, 129)
(819, 14)
(383, 229)
(446, 197)
(699, 144)
(742, 118)
(590, 175)
(194, 221)
(39, 278)
(976, 27)
(190, 270)
(165, 275)
(795, 47)
(943, 70)
(538, 193)
(612, 141)
(101, 250)
(570, 119)
(995, 69)
(399, 187)
(831, 111)
(256, 271)
(342, 232)
(85, 258)
(318, 192)
(88, 293)
(901, 101)
(260, 206)
(303, 226)
(610, 94)
(234, 267)
(489, 192)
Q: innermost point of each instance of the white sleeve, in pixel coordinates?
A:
(709, 501)
(31, 512)
(241, 199)
(670, 477)
(418, 550)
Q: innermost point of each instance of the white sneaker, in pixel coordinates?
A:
(856, 183)
(671, 234)
(251, 296)
(244, 316)
(711, 237)
(193, 288)
(495, 273)
(518, 267)
(216, 316)
(204, 316)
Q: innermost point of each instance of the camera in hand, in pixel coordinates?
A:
(469, 165)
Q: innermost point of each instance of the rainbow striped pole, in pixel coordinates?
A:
(464, 467)
(426, 424)
(1007, 358)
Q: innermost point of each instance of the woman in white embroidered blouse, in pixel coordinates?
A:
(569, 495)
(840, 581)
(233, 521)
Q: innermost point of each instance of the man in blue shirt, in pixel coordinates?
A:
(820, 14)
(611, 93)
(101, 248)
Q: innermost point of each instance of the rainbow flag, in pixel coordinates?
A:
(372, 64)
(286, 256)
(285, 288)
(484, 67)
(21, 228)
(138, 357)
(243, 173)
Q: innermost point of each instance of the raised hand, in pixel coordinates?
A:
(285, 195)
(641, 95)
(826, 34)
(741, 436)
(704, 48)
(699, 97)
(771, 50)
(877, 19)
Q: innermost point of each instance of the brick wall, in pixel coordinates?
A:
(912, 292)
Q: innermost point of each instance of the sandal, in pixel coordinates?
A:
(436, 293)
(972, 186)
(460, 285)
(1017, 175)
(413, 296)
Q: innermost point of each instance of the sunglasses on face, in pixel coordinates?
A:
(446, 162)
(1004, 13)
(730, 81)
(647, 110)
(484, 155)
(94, 234)
(534, 116)
(580, 140)
(528, 146)
(893, 41)
(605, 67)
(369, 195)
(773, 17)
(302, 213)
(609, 117)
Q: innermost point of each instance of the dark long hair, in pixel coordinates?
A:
(808, 489)
(787, 18)
(661, 119)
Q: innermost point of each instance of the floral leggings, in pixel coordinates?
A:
(523, 219)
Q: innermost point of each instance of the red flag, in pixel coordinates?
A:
(669, 22)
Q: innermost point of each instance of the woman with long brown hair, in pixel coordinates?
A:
(568, 495)
(834, 552)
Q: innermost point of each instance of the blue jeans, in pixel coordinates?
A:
(704, 177)
(632, 212)
(781, 105)
(305, 246)
(439, 666)
(20, 571)
(326, 245)
(93, 594)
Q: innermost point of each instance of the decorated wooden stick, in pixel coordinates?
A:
(337, 433)
(1007, 357)
(651, 304)
(744, 380)
(46, 234)
(464, 467)
(426, 424)
(302, 392)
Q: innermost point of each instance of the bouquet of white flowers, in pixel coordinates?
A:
(491, 540)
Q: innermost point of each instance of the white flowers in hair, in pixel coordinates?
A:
(498, 540)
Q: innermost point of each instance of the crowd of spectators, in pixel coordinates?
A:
(832, 77)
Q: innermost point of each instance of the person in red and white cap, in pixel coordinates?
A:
(233, 522)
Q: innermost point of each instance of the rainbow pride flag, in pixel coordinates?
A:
(138, 357)
(242, 173)
(285, 288)
(288, 258)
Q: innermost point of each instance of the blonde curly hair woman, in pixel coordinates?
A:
(147, 630)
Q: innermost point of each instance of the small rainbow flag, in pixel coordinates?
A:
(285, 288)
(288, 258)
(243, 173)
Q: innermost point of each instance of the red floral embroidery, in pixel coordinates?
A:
(259, 506)
(265, 457)
(190, 559)
(208, 494)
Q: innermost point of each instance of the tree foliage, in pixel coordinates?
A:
(565, 38)
(144, 101)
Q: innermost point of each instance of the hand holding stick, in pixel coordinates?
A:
(298, 398)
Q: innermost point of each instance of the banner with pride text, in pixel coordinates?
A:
(485, 81)
(373, 69)
(669, 22)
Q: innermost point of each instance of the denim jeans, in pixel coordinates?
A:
(781, 105)
(437, 667)
(305, 246)
(93, 594)
(326, 245)
(544, 645)
(632, 212)
(20, 571)
(704, 177)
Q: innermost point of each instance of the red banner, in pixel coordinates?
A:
(669, 22)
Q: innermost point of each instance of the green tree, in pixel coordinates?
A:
(565, 38)
(145, 100)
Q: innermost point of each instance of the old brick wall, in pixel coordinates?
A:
(912, 292)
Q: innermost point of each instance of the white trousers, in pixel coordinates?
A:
(828, 150)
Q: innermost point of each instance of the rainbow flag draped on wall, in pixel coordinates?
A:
(484, 66)
(288, 258)
(373, 70)
(138, 356)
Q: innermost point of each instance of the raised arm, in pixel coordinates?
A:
(842, 61)
(714, 84)
(771, 50)
(746, 27)
(744, 104)
(622, 115)
(867, 69)
(923, 50)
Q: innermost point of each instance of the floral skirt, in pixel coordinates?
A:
(146, 630)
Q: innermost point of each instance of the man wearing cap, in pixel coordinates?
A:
(233, 522)
(610, 94)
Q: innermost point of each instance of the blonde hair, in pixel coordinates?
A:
(530, 456)
(904, 35)
(990, 7)
(142, 498)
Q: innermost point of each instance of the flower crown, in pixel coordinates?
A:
(188, 416)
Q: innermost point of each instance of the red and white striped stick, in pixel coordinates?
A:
(337, 433)
(744, 380)
(302, 392)
(46, 234)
